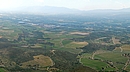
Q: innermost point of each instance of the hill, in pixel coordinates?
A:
(47, 10)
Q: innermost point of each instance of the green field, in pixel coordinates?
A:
(95, 64)
(60, 43)
(102, 57)
(3, 70)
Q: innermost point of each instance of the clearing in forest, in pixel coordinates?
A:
(39, 60)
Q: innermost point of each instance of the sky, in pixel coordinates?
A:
(74, 4)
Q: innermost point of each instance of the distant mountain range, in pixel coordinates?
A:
(48, 10)
(63, 10)
(111, 10)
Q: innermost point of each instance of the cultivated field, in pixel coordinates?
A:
(39, 61)
(79, 33)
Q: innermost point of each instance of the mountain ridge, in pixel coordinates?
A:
(48, 10)
(64, 10)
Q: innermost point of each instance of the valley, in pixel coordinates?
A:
(63, 43)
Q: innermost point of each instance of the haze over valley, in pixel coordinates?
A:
(65, 36)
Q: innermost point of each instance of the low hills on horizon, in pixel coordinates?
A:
(64, 10)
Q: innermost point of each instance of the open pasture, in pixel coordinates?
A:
(40, 60)
(95, 64)
(115, 57)
(76, 44)
(126, 48)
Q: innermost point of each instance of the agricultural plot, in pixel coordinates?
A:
(128, 68)
(71, 50)
(86, 55)
(45, 44)
(63, 41)
(79, 33)
(104, 41)
(9, 31)
(109, 60)
(37, 46)
(119, 61)
(39, 61)
(95, 64)
(115, 41)
(118, 49)
(126, 48)
(76, 44)
(3, 70)
(123, 49)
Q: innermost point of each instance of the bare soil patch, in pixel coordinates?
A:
(80, 43)
(0, 36)
(80, 33)
(115, 41)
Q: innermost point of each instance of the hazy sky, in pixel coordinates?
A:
(77, 4)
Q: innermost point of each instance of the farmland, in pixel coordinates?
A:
(40, 60)
(43, 43)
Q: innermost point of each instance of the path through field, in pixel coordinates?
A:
(121, 49)
(93, 55)
(61, 43)
(126, 64)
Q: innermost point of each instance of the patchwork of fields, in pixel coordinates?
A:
(45, 44)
